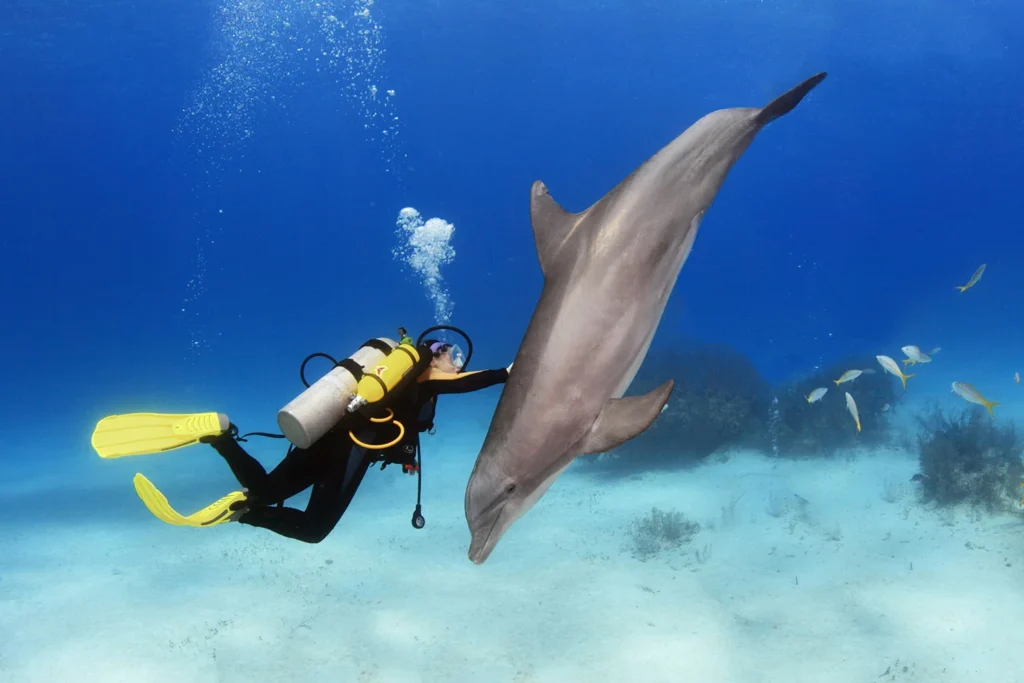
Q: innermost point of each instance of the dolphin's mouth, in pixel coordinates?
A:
(480, 545)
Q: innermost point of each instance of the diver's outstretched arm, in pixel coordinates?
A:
(437, 382)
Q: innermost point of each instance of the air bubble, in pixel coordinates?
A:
(425, 247)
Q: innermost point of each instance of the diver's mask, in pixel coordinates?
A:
(454, 352)
(458, 357)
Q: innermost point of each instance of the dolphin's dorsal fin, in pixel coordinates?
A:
(624, 418)
(551, 224)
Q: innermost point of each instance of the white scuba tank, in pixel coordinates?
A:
(316, 410)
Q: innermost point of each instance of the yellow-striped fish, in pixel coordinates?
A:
(848, 376)
(816, 394)
(851, 405)
(915, 355)
(972, 395)
(890, 366)
(974, 279)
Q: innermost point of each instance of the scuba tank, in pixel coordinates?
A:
(383, 376)
(363, 380)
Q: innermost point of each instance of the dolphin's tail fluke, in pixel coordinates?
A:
(785, 103)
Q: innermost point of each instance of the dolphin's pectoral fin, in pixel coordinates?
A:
(624, 418)
(551, 224)
(784, 103)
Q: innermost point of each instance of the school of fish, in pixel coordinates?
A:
(914, 355)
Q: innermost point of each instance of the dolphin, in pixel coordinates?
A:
(608, 273)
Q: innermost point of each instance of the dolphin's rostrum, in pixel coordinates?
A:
(608, 273)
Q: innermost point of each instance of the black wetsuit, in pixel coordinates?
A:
(334, 466)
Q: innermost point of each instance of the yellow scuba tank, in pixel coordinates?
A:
(383, 376)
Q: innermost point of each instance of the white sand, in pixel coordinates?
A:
(843, 590)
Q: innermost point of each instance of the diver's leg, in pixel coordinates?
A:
(332, 495)
(247, 469)
(337, 475)
(295, 473)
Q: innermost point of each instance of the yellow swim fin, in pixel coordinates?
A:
(139, 433)
(211, 515)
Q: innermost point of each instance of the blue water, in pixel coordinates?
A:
(196, 194)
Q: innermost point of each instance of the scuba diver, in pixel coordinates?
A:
(391, 393)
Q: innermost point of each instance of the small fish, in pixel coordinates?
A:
(915, 355)
(889, 365)
(851, 405)
(935, 351)
(972, 395)
(816, 394)
(885, 408)
(1016, 377)
(848, 376)
(974, 279)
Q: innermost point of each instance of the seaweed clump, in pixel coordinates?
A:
(826, 426)
(660, 530)
(719, 400)
(969, 458)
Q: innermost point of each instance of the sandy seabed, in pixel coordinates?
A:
(817, 570)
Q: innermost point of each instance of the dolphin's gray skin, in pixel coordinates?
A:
(608, 273)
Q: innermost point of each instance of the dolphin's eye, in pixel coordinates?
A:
(510, 489)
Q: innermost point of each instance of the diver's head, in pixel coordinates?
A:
(447, 358)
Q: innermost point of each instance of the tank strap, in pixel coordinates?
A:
(380, 345)
(353, 367)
